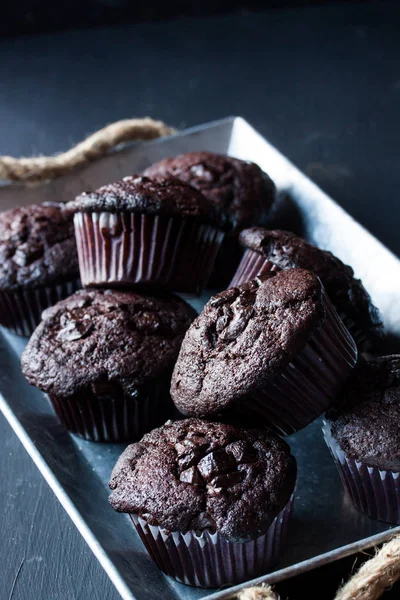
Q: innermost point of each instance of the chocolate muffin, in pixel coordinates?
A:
(210, 501)
(38, 263)
(238, 187)
(266, 249)
(273, 348)
(364, 438)
(147, 232)
(105, 358)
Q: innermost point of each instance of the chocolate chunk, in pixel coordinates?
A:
(75, 330)
(238, 324)
(190, 476)
(242, 452)
(215, 463)
(227, 480)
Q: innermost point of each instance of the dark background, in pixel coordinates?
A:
(321, 82)
(34, 16)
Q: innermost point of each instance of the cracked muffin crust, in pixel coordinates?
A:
(244, 337)
(151, 196)
(100, 337)
(37, 246)
(205, 476)
(238, 187)
(351, 299)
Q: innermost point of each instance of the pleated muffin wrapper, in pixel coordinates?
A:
(373, 491)
(253, 264)
(147, 250)
(209, 560)
(122, 418)
(310, 383)
(21, 309)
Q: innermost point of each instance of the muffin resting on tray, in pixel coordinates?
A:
(105, 358)
(364, 438)
(38, 263)
(266, 249)
(210, 501)
(238, 187)
(273, 348)
(154, 233)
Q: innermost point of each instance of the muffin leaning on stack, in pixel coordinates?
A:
(267, 250)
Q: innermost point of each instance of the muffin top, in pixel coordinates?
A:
(347, 293)
(239, 187)
(156, 196)
(199, 475)
(244, 336)
(98, 337)
(367, 426)
(37, 246)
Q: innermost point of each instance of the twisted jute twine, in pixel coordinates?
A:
(375, 575)
(369, 583)
(41, 168)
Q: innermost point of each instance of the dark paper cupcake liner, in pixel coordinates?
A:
(373, 491)
(310, 383)
(114, 419)
(147, 250)
(209, 560)
(251, 265)
(363, 343)
(21, 309)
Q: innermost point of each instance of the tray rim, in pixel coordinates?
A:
(89, 537)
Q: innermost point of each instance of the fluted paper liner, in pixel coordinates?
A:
(209, 560)
(374, 492)
(251, 265)
(21, 309)
(311, 381)
(147, 250)
(114, 419)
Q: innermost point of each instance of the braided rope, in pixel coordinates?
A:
(95, 146)
(369, 583)
(258, 592)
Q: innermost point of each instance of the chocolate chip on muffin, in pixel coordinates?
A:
(201, 475)
(210, 501)
(287, 251)
(38, 263)
(274, 346)
(107, 351)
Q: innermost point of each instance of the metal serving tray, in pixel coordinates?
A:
(325, 525)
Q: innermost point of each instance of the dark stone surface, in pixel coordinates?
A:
(323, 84)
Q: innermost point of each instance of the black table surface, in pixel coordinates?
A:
(321, 83)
